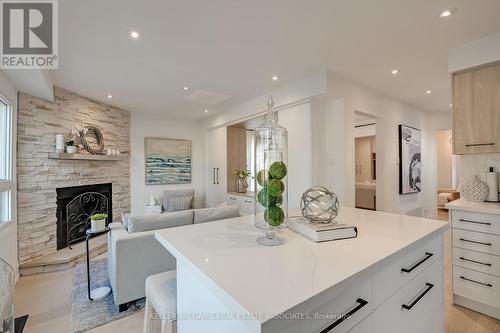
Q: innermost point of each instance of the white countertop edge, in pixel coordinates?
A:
(472, 206)
(222, 292)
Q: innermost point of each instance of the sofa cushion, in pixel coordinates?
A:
(179, 203)
(138, 223)
(168, 194)
(216, 213)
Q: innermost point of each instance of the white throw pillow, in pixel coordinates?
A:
(179, 203)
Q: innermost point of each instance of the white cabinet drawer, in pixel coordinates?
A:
(336, 310)
(400, 270)
(476, 241)
(478, 261)
(418, 307)
(482, 222)
(481, 287)
(365, 326)
(232, 199)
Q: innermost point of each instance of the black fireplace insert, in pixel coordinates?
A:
(75, 206)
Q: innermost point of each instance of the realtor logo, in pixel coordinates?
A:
(29, 34)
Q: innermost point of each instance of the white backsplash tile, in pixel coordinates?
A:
(474, 164)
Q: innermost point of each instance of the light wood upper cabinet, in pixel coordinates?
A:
(476, 103)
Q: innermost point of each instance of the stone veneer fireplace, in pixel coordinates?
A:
(39, 176)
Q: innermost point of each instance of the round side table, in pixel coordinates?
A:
(98, 293)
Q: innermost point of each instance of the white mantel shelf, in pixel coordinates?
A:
(87, 157)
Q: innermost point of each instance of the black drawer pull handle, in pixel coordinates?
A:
(360, 303)
(231, 198)
(420, 262)
(479, 144)
(481, 283)
(248, 201)
(428, 286)
(475, 242)
(469, 221)
(213, 175)
(476, 262)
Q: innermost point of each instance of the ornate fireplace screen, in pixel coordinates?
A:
(78, 213)
(6, 297)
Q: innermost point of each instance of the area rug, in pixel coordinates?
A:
(86, 314)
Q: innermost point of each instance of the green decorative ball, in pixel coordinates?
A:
(265, 199)
(275, 187)
(263, 177)
(279, 200)
(274, 216)
(278, 170)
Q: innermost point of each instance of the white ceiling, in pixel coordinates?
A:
(234, 47)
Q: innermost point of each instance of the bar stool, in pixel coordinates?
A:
(161, 302)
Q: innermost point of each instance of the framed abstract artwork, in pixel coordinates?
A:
(410, 160)
(168, 161)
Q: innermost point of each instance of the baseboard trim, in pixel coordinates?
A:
(476, 306)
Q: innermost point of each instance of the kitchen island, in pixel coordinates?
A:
(388, 279)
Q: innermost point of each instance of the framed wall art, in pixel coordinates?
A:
(168, 161)
(410, 160)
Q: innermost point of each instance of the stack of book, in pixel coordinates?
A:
(322, 232)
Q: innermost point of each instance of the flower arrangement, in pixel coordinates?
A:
(242, 174)
(241, 180)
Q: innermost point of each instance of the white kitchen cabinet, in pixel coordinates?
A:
(476, 255)
(298, 287)
(243, 201)
(216, 173)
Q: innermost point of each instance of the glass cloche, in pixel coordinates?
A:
(271, 199)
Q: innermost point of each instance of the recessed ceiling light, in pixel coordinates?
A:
(451, 105)
(447, 13)
(133, 34)
(186, 88)
(110, 96)
(428, 92)
(395, 71)
(206, 110)
(275, 78)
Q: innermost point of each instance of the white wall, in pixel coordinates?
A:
(8, 233)
(161, 126)
(343, 100)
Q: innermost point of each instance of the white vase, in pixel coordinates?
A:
(475, 190)
(71, 149)
(59, 143)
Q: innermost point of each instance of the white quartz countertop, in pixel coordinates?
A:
(274, 279)
(471, 206)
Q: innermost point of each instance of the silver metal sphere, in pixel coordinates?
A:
(319, 205)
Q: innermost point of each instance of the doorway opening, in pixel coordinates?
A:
(365, 161)
(447, 172)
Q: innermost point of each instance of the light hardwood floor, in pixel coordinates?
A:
(47, 299)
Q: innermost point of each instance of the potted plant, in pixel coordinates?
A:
(241, 180)
(71, 147)
(98, 222)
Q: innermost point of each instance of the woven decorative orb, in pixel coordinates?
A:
(319, 205)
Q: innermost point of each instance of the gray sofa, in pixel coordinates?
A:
(134, 253)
